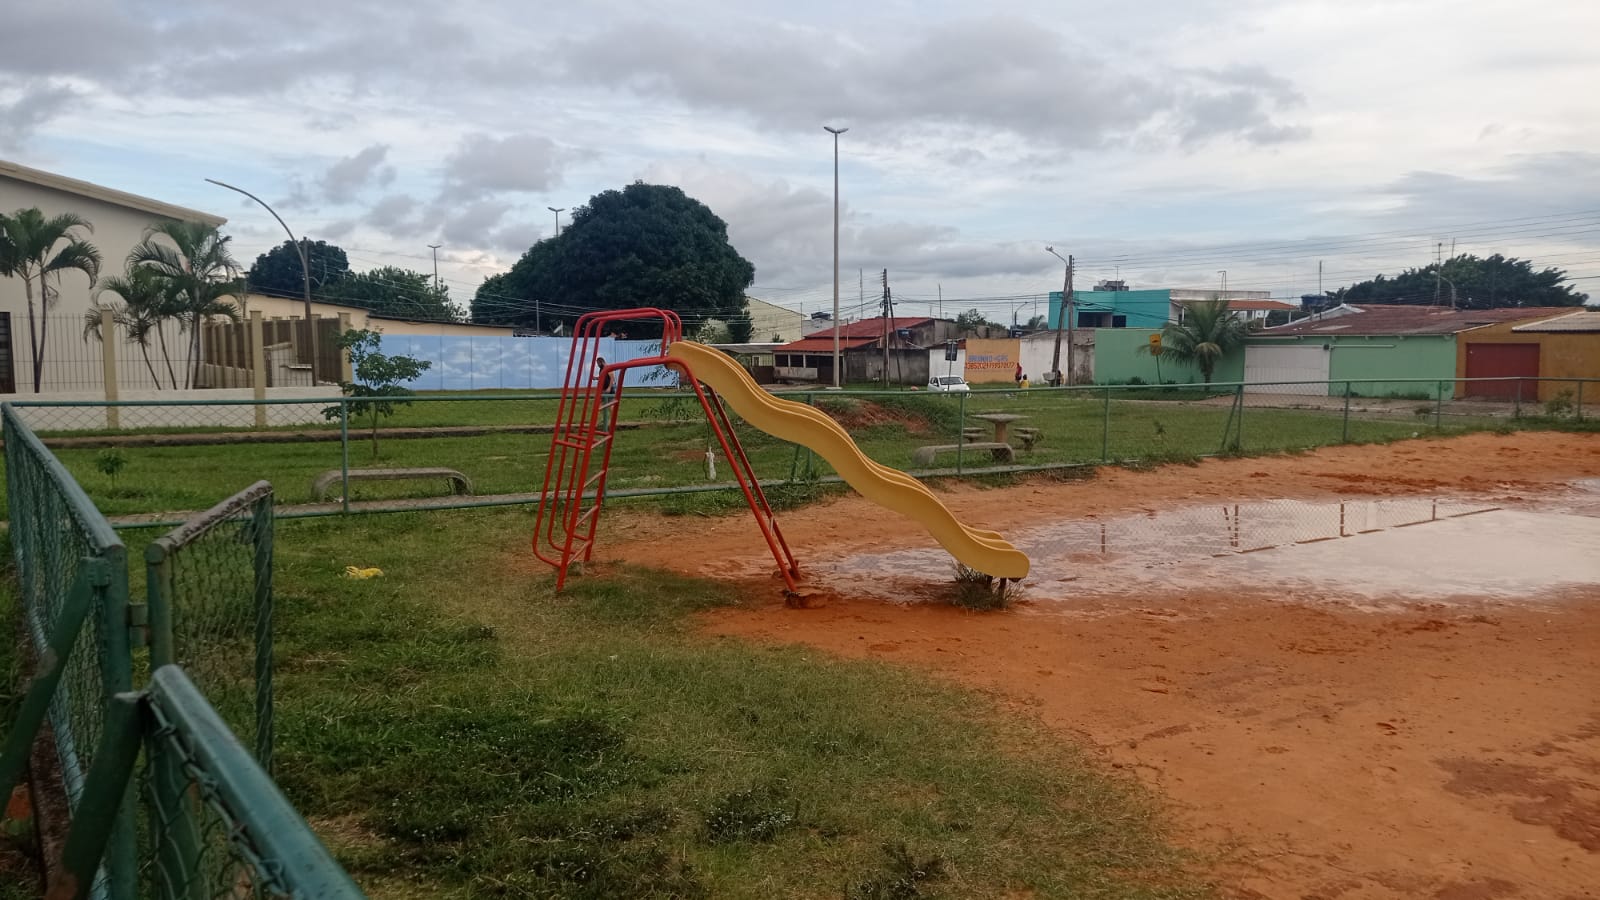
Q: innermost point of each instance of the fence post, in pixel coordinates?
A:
(108, 363)
(1516, 409)
(1238, 431)
(1105, 428)
(100, 813)
(258, 366)
(261, 530)
(1344, 435)
(344, 455)
(961, 429)
(1577, 411)
(344, 353)
(1438, 406)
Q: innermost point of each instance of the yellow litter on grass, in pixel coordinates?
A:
(358, 572)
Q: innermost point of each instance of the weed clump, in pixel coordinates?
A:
(905, 877)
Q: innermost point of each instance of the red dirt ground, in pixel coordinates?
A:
(1446, 751)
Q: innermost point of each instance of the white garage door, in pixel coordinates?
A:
(1278, 364)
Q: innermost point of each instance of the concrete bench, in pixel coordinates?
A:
(1028, 436)
(328, 481)
(974, 434)
(924, 456)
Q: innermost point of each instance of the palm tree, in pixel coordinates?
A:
(201, 277)
(1209, 331)
(28, 250)
(146, 305)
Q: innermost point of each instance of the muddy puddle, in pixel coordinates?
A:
(1367, 553)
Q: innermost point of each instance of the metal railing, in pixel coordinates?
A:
(73, 579)
(210, 599)
(214, 824)
(217, 825)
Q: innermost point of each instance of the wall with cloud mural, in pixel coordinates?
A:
(512, 363)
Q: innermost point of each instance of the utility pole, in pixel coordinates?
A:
(835, 132)
(435, 249)
(1319, 278)
(1063, 317)
(888, 327)
(941, 300)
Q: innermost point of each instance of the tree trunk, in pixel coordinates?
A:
(33, 335)
(166, 356)
(144, 350)
(44, 329)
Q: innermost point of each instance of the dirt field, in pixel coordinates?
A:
(1436, 748)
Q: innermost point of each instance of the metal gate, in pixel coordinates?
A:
(1503, 361)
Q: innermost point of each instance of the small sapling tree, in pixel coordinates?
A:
(380, 379)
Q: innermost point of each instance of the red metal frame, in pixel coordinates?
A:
(563, 530)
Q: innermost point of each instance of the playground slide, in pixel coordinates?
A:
(892, 489)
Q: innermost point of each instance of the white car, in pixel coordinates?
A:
(948, 383)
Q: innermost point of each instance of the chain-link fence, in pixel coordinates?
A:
(72, 573)
(212, 823)
(436, 451)
(210, 600)
(218, 825)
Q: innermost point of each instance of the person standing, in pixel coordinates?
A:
(1018, 375)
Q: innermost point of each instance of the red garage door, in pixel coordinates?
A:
(1503, 361)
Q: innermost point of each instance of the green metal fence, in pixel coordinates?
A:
(210, 599)
(217, 825)
(163, 800)
(73, 579)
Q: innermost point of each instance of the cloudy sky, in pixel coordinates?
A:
(1158, 140)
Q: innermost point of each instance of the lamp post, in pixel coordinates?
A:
(558, 217)
(305, 270)
(835, 132)
(1223, 294)
(435, 249)
(1065, 318)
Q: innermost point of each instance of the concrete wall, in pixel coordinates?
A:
(1120, 357)
(774, 323)
(992, 361)
(1561, 355)
(1143, 309)
(908, 366)
(70, 364)
(1382, 357)
(1038, 351)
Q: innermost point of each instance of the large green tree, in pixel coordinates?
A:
(200, 276)
(35, 249)
(397, 293)
(1478, 283)
(277, 272)
(1209, 331)
(645, 245)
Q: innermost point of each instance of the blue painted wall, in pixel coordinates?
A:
(512, 363)
(1144, 309)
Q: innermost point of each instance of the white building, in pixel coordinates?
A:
(71, 363)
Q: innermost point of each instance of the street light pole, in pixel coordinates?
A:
(305, 270)
(558, 217)
(836, 324)
(1065, 318)
(435, 249)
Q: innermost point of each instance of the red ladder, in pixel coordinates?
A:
(586, 420)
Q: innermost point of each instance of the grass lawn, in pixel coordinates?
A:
(454, 729)
(889, 428)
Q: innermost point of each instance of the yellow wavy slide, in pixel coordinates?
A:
(985, 551)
